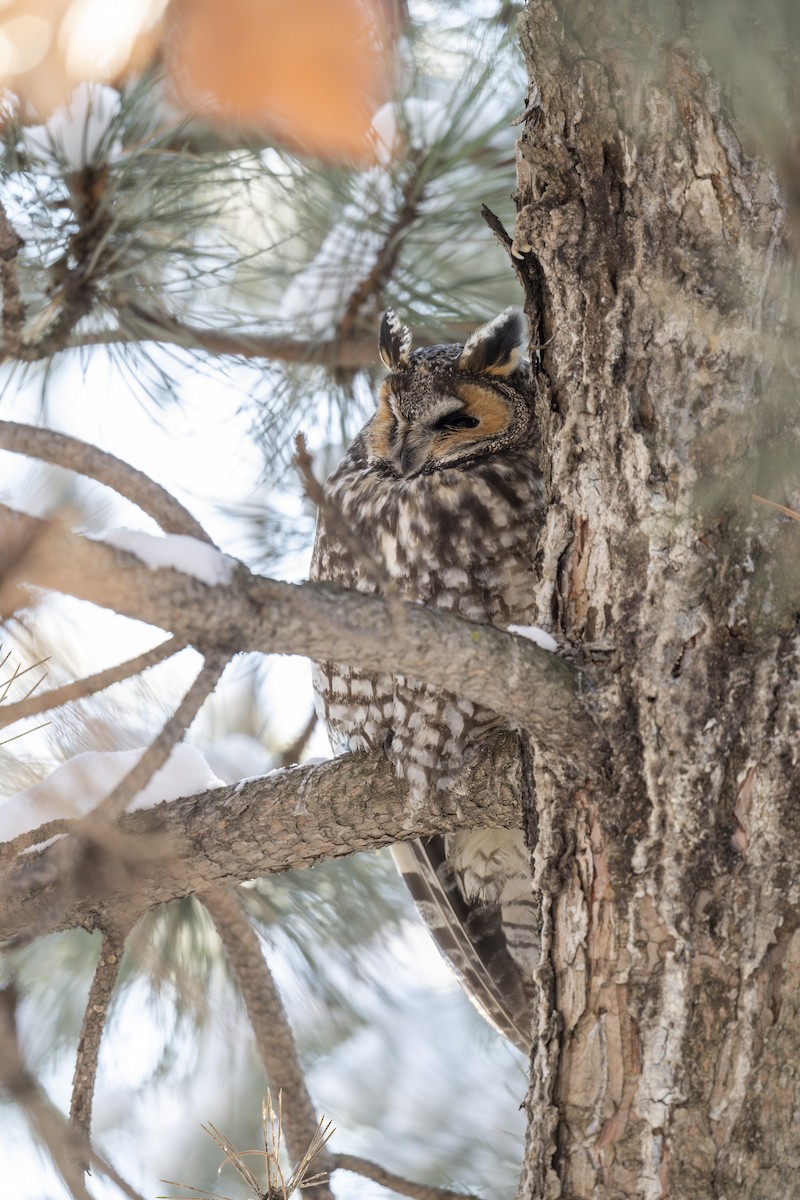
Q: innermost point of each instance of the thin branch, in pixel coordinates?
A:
(289, 819)
(67, 1145)
(278, 1051)
(163, 744)
(294, 750)
(508, 674)
(96, 851)
(354, 353)
(530, 278)
(781, 508)
(386, 258)
(94, 1020)
(395, 1183)
(13, 307)
(274, 1038)
(85, 459)
(88, 686)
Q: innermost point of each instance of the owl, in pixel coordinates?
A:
(439, 500)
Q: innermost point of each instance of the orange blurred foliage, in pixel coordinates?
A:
(308, 72)
(49, 46)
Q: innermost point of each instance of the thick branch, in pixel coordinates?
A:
(512, 676)
(289, 819)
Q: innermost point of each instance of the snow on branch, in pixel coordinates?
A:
(85, 459)
(292, 818)
(523, 682)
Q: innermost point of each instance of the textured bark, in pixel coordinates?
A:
(292, 818)
(507, 673)
(669, 1032)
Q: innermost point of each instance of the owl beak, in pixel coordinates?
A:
(412, 454)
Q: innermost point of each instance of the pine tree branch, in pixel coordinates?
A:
(287, 819)
(274, 1038)
(164, 743)
(386, 258)
(291, 754)
(351, 352)
(85, 459)
(252, 613)
(96, 850)
(279, 1056)
(354, 353)
(387, 1179)
(13, 307)
(89, 685)
(67, 1145)
(94, 1021)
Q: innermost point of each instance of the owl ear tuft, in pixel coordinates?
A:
(498, 347)
(394, 341)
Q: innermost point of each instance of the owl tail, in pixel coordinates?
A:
(471, 939)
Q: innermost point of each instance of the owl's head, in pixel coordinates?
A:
(450, 406)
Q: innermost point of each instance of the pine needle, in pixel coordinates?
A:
(278, 1187)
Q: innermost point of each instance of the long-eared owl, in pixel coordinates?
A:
(439, 498)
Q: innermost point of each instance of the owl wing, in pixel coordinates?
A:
(372, 711)
(470, 937)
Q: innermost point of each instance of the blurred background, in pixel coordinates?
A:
(217, 202)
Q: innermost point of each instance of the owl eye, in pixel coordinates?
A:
(456, 421)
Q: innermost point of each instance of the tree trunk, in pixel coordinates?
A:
(668, 1056)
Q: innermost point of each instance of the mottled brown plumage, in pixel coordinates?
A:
(440, 494)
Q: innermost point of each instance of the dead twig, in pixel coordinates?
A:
(530, 278)
(787, 512)
(278, 1187)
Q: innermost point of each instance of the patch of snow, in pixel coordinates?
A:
(414, 122)
(186, 554)
(43, 845)
(534, 634)
(78, 786)
(237, 756)
(318, 295)
(78, 134)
